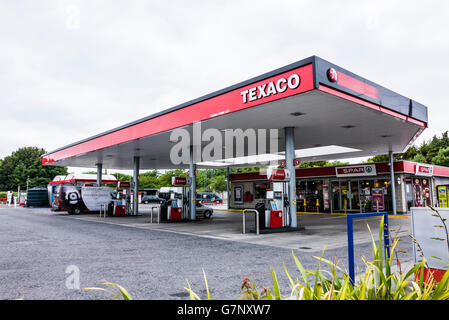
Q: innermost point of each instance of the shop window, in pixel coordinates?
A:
(366, 190)
(301, 190)
(421, 192)
(260, 189)
(314, 196)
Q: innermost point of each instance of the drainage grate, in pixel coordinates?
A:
(179, 294)
(305, 248)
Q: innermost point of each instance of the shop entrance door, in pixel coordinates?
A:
(345, 195)
(355, 195)
(336, 196)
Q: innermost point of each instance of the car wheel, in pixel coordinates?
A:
(146, 202)
(207, 214)
(77, 211)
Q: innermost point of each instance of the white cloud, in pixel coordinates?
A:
(71, 69)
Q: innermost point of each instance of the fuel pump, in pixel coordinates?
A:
(178, 206)
(122, 204)
(174, 207)
(276, 210)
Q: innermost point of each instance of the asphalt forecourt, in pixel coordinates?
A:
(50, 255)
(321, 230)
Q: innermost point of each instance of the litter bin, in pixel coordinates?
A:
(260, 207)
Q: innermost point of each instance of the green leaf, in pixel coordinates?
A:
(277, 293)
(207, 285)
(301, 270)
(192, 295)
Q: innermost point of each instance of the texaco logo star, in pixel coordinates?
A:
(332, 75)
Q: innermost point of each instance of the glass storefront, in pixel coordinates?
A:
(343, 195)
(313, 195)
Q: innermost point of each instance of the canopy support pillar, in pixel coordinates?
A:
(192, 169)
(393, 186)
(289, 157)
(136, 185)
(99, 173)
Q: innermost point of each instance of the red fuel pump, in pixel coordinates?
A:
(178, 208)
(275, 216)
(122, 203)
(276, 211)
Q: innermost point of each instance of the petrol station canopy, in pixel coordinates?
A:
(336, 114)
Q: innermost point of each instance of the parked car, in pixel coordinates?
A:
(152, 199)
(203, 211)
(208, 197)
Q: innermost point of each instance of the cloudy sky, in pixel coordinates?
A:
(71, 69)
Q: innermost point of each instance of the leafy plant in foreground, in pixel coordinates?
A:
(378, 282)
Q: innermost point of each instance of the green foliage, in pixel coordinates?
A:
(148, 182)
(442, 157)
(379, 158)
(317, 164)
(26, 163)
(419, 158)
(219, 183)
(164, 179)
(124, 294)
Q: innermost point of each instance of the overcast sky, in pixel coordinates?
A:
(71, 69)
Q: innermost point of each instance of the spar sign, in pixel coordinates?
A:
(356, 171)
(423, 170)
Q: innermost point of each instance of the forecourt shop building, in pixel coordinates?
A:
(320, 111)
(356, 188)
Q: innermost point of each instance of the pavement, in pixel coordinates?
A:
(40, 249)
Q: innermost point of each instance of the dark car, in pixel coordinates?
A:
(208, 197)
(203, 211)
(152, 199)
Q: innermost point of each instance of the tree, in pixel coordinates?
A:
(23, 164)
(316, 164)
(419, 158)
(148, 182)
(219, 183)
(165, 178)
(379, 158)
(442, 158)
